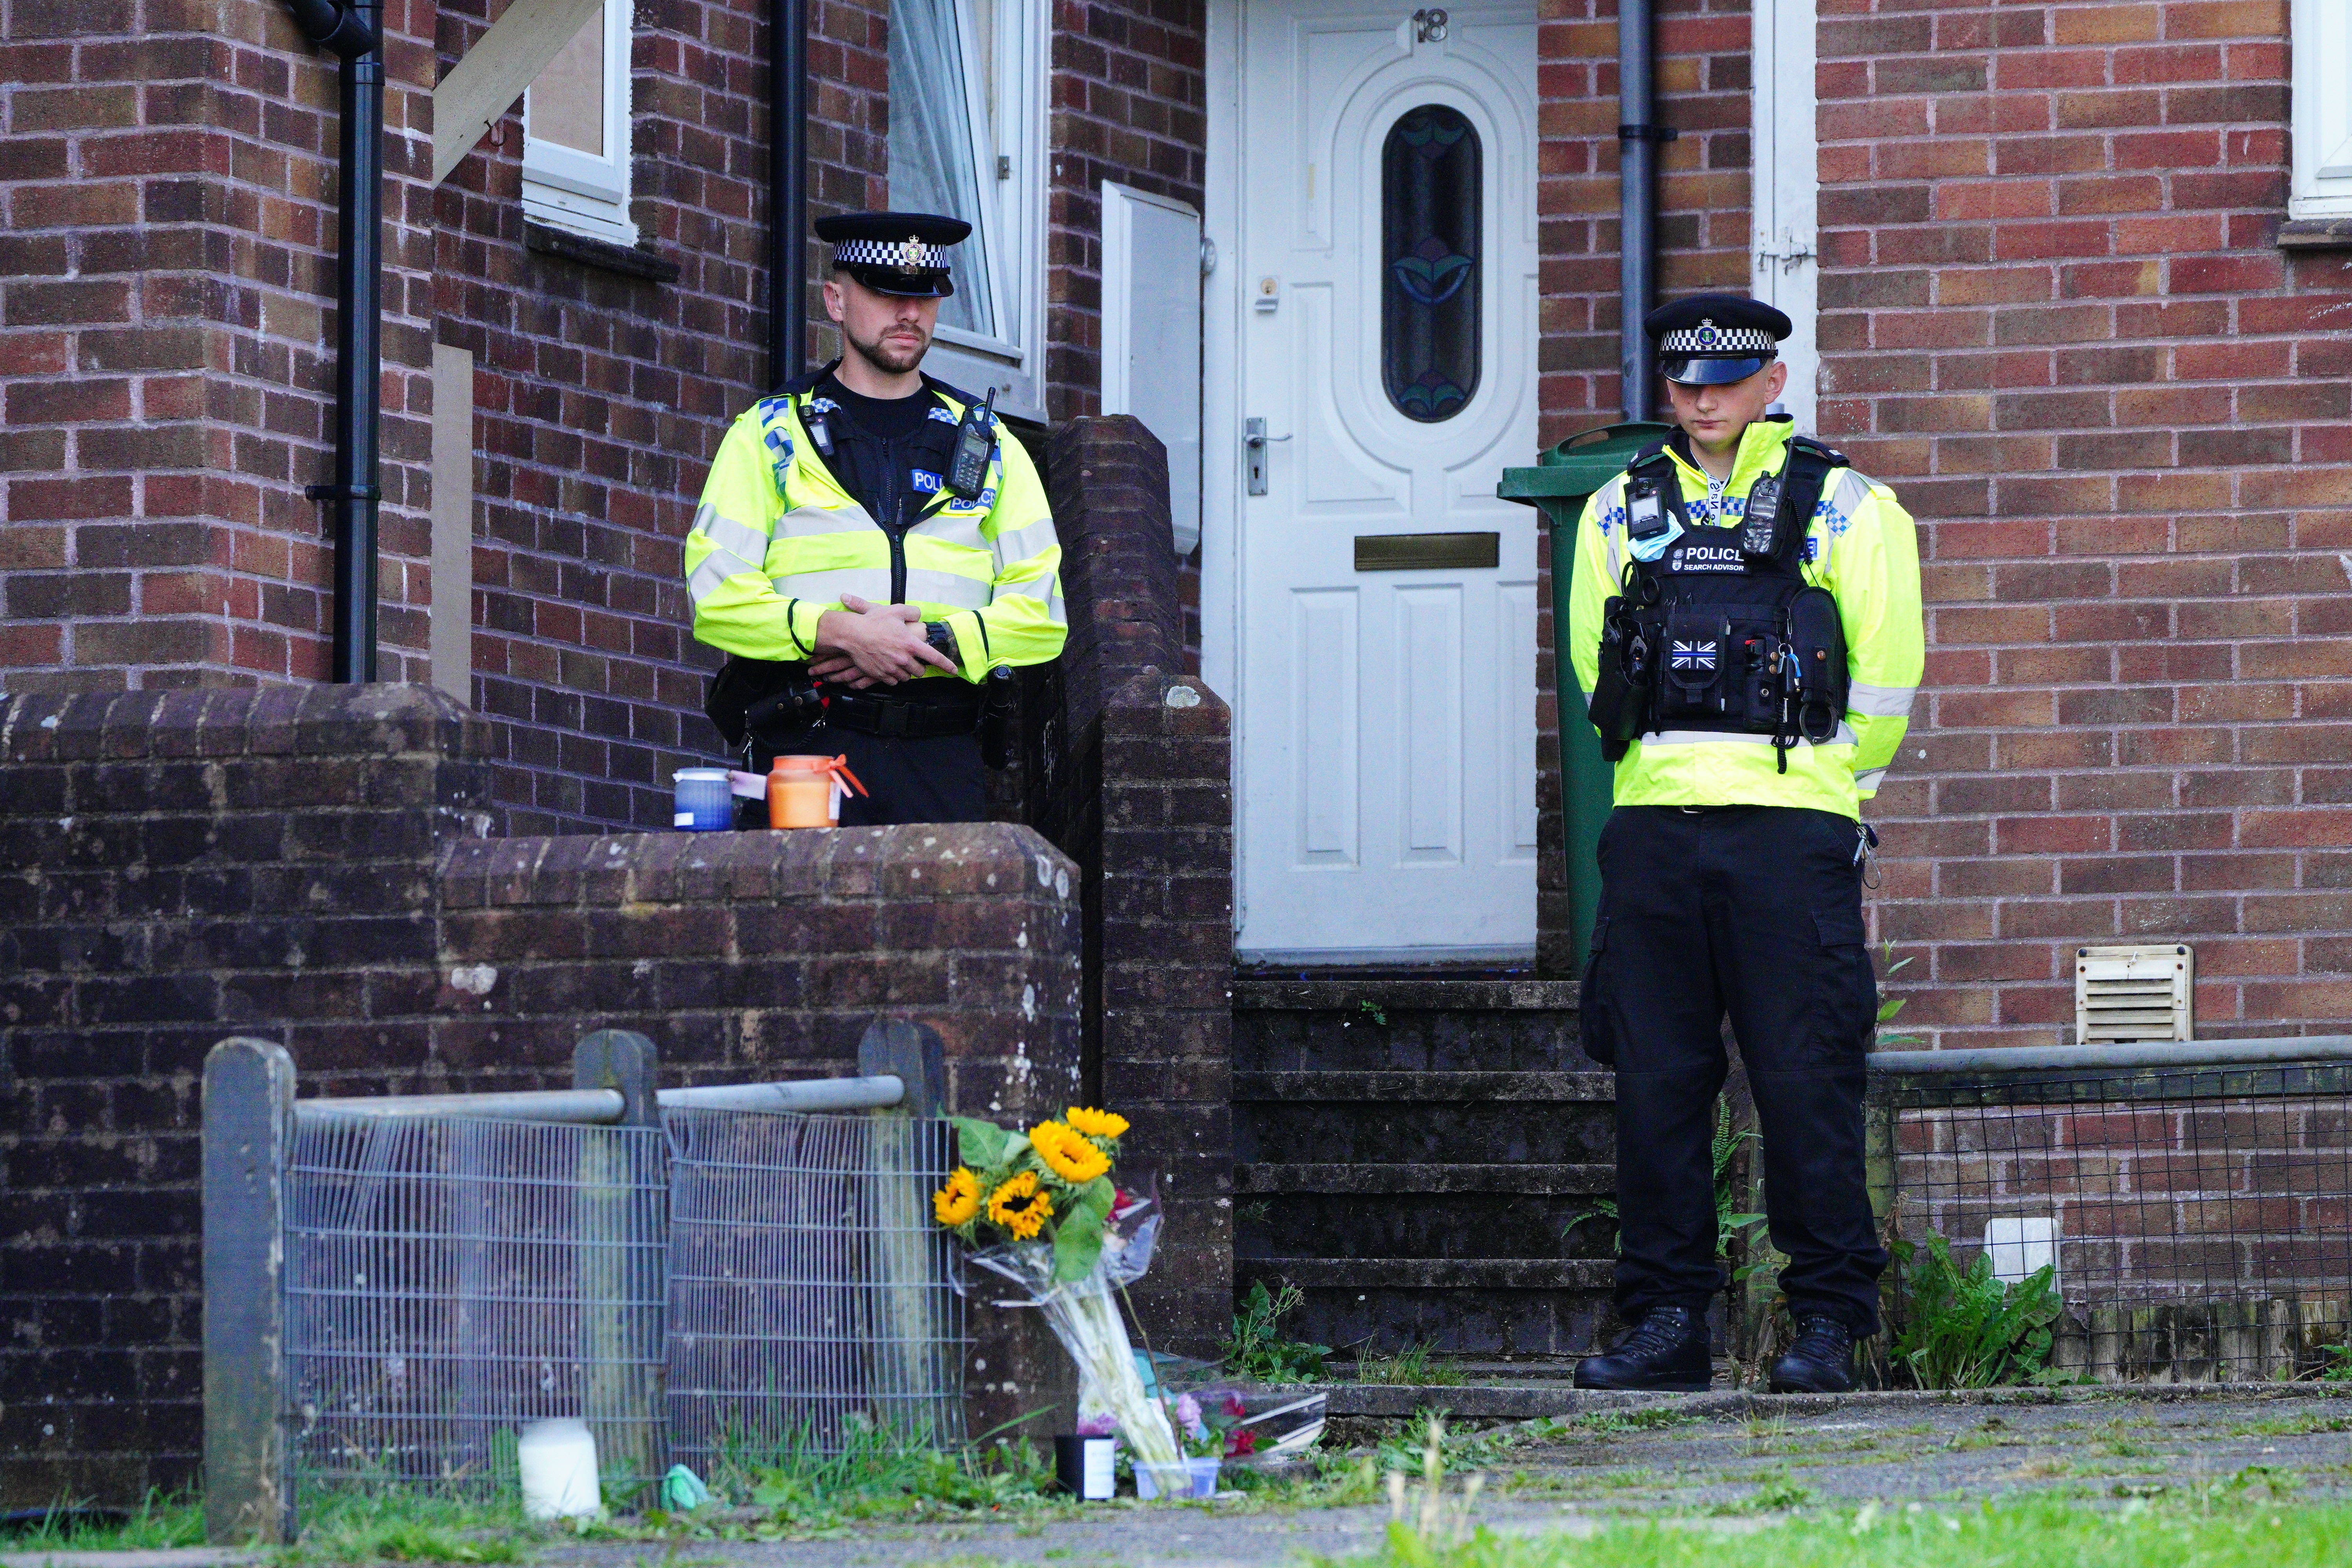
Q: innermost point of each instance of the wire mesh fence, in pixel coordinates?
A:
(448, 1281)
(2199, 1218)
(732, 1282)
(807, 1290)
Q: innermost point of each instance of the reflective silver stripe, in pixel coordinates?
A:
(739, 539)
(873, 584)
(1879, 701)
(1845, 737)
(1868, 782)
(715, 568)
(961, 530)
(1025, 543)
(815, 521)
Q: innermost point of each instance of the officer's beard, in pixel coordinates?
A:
(892, 354)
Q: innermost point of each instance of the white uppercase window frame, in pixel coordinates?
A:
(1006, 91)
(587, 194)
(2320, 38)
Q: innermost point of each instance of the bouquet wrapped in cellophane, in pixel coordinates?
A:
(1039, 1208)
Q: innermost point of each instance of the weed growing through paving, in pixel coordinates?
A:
(2037, 1534)
(1964, 1328)
(1415, 1365)
(2304, 1426)
(1256, 1348)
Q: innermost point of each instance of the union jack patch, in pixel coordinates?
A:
(1692, 656)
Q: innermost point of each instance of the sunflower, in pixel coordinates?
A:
(1096, 1124)
(956, 1202)
(1019, 1208)
(1067, 1154)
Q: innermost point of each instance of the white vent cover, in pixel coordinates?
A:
(2127, 994)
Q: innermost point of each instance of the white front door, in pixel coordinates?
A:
(1385, 728)
(1788, 191)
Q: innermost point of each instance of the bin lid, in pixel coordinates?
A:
(1581, 464)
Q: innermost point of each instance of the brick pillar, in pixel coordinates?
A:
(1134, 781)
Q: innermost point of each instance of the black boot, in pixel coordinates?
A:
(1666, 1351)
(1820, 1361)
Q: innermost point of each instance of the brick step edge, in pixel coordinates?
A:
(1386, 1085)
(1530, 1402)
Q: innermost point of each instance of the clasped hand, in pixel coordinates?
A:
(862, 644)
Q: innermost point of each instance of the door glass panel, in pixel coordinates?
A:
(1431, 200)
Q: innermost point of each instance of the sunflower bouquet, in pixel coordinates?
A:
(1039, 1208)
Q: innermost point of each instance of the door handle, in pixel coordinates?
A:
(1255, 441)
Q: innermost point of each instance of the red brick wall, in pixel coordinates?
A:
(2055, 318)
(165, 329)
(1702, 92)
(601, 397)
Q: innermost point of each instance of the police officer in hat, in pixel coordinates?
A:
(1745, 616)
(873, 552)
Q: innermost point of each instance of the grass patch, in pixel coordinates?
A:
(2308, 1424)
(2040, 1534)
(158, 1522)
(1653, 1420)
(403, 1525)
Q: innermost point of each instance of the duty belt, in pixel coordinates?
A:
(908, 721)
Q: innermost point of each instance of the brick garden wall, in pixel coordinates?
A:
(2055, 318)
(308, 865)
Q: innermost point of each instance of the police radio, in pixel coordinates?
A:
(975, 442)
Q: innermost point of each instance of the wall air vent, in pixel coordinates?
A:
(2124, 995)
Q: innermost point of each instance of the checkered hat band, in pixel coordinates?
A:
(889, 253)
(1723, 340)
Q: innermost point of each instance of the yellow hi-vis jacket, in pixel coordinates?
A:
(777, 543)
(1862, 548)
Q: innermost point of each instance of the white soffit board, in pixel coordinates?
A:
(1152, 335)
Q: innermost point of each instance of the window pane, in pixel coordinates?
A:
(1431, 205)
(567, 101)
(934, 167)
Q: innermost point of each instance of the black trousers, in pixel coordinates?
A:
(1755, 912)
(938, 778)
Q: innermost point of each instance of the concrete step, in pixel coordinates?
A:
(1338, 1177)
(1410, 1150)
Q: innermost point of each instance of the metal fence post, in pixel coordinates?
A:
(913, 1365)
(249, 1125)
(622, 1334)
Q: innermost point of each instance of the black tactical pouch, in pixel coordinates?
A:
(759, 698)
(1620, 707)
(999, 708)
(1817, 639)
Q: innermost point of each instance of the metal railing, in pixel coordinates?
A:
(2194, 1198)
(393, 1286)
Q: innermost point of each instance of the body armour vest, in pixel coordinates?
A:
(1717, 629)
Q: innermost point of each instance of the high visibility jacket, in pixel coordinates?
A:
(777, 543)
(1863, 548)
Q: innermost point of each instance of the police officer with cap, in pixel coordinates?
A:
(874, 553)
(1745, 616)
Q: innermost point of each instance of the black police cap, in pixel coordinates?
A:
(1713, 339)
(895, 253)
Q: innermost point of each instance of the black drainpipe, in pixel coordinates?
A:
(352, 30)
(787, 189)
(1637, 203)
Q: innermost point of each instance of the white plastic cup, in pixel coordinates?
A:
(557, 1460)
